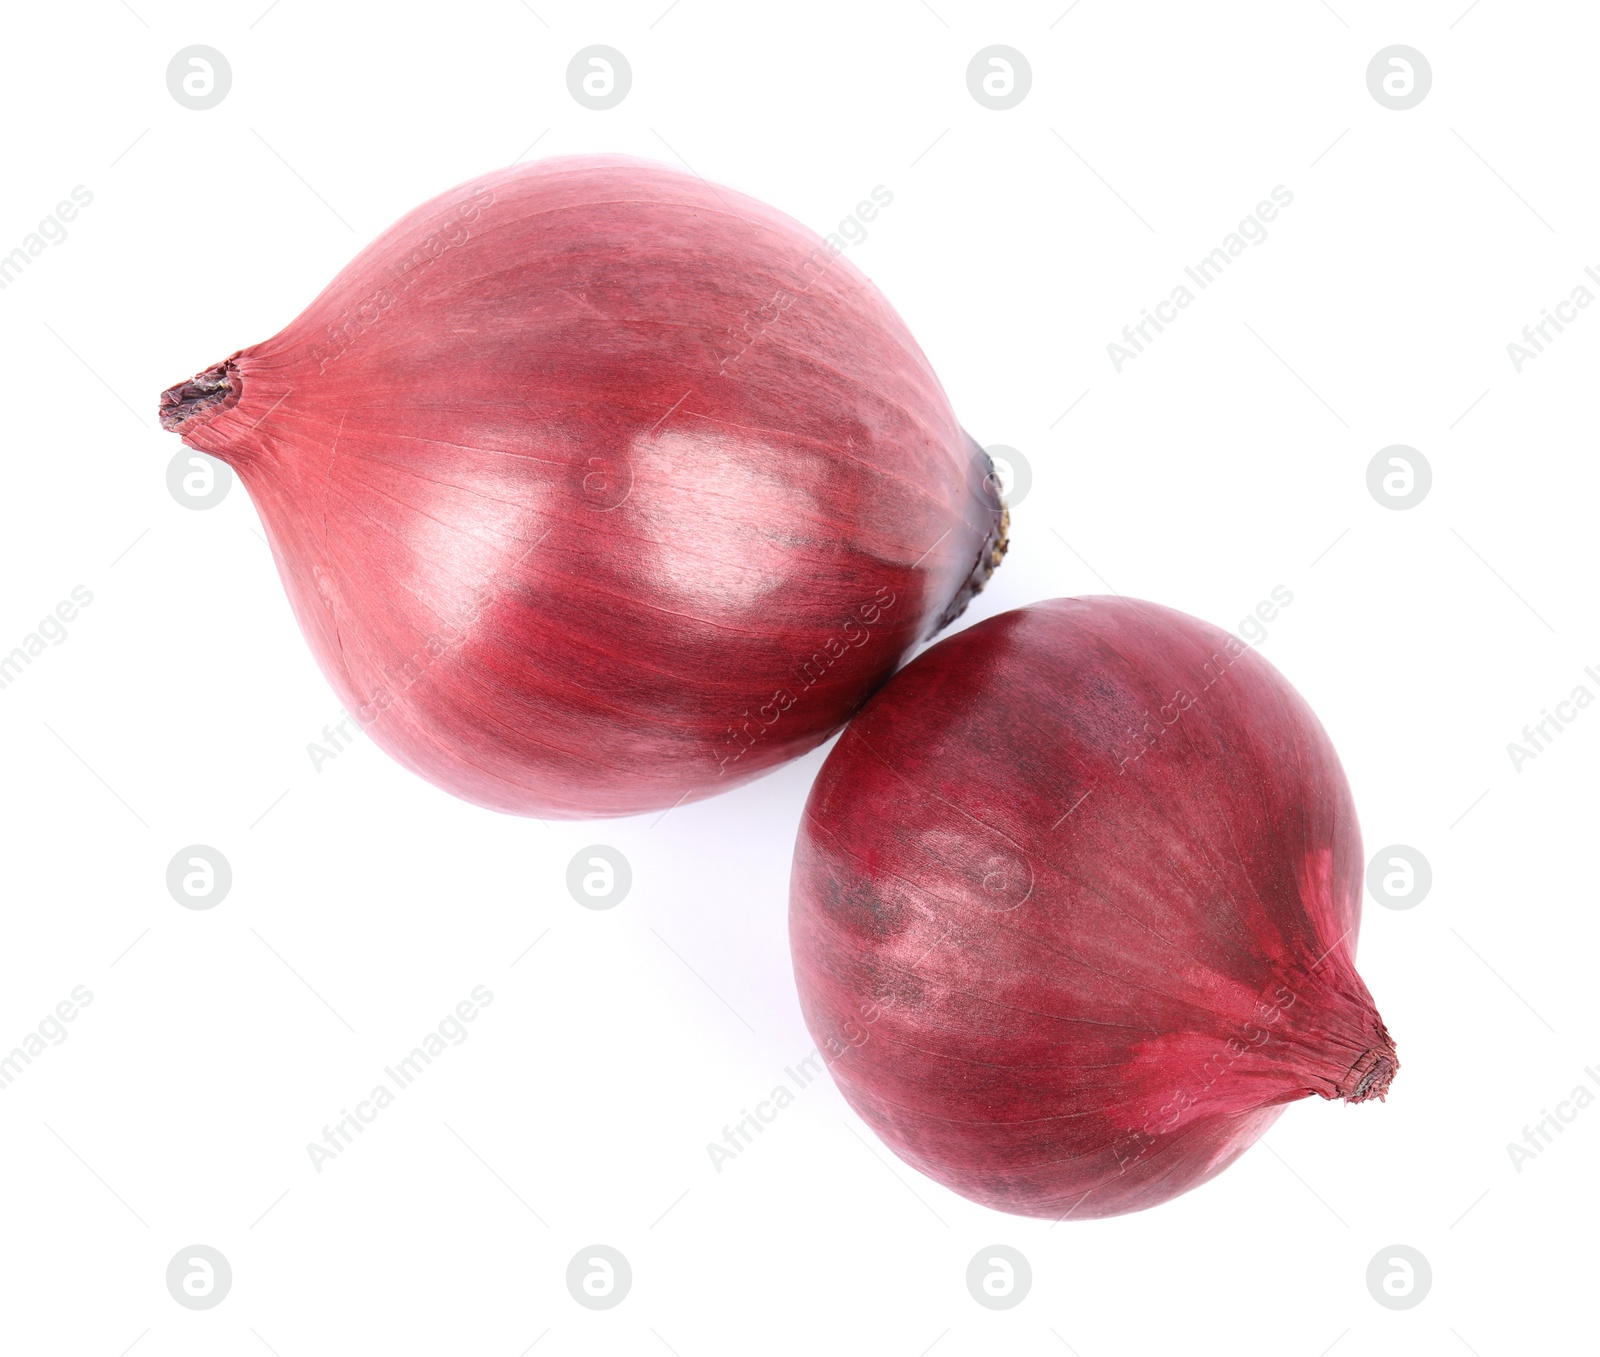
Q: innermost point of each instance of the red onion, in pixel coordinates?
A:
(1074, 909)
(596, 488)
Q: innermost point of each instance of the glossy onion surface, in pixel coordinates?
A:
(596, 488)
(1074, 909)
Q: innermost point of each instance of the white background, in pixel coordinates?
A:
(1228, 459)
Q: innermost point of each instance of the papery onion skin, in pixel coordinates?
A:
(597, 489)
(1074, 909)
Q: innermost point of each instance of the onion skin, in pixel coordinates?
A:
(1074, 915)
(596, 489)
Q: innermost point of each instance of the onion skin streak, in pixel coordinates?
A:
(1074, 910)
(596, 489)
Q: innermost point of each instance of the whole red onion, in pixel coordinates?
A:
(1074, 909)
(596, 488)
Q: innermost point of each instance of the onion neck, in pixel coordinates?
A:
(189, 406)
(1370, 1076)
(1331, 1037)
